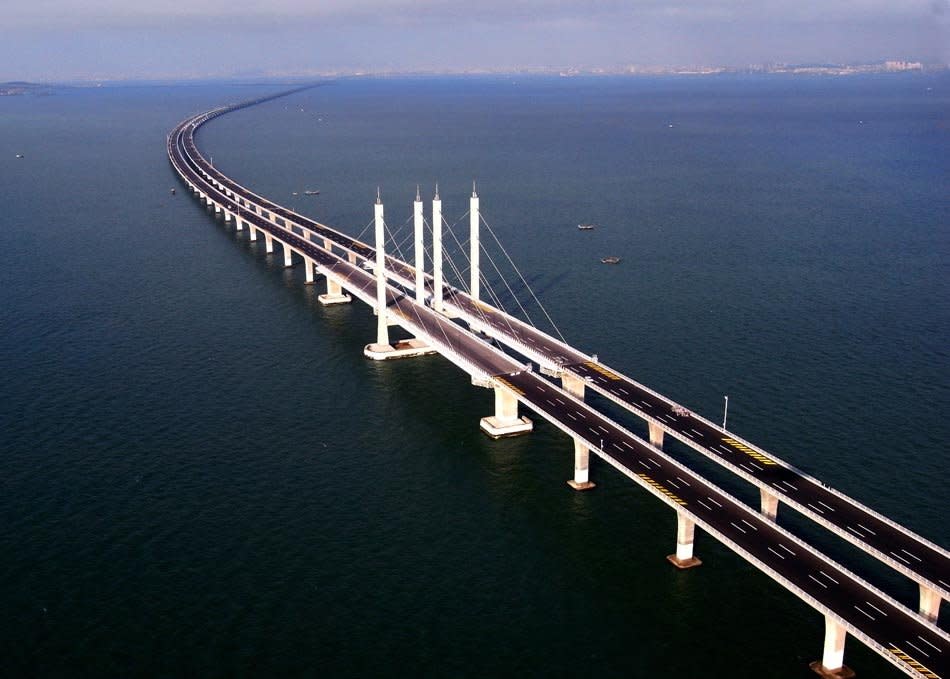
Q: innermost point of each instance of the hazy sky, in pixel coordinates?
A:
(66, 39)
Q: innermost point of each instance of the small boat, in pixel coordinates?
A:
(311, 193)
(173, 191)
(586, 227)
(610, 260)
(19, 155)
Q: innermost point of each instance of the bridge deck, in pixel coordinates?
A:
(910, 642)
(893, 544)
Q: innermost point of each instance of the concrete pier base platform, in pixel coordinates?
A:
(581, 485)
(499, 430)
(402, 349)
(327, 300)
(683, 564)
(843, 672)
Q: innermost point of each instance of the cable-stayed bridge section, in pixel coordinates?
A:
(778, 481)
(921, 560)
(907, 639)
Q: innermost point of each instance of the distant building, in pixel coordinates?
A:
(903, 66)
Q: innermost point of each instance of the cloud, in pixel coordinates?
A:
(230, 36)
(98, 13)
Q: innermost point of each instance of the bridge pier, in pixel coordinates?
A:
(308, 270)
(268, 243)
(253, 231)
(581, 480)
(572, 385)
(383, 350)
(335, 294)
(505, 422)
(769, 503)
(832, 659)
(929, 603)
(288, 256)
(217, 208)
(227, 216)
(685, 531)
(656, 435)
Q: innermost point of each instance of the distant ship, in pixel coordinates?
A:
(311, 193)
(19, 155)
(586, 227)
(610, 260)
(173, 191)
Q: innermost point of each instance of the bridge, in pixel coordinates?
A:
(471, 334)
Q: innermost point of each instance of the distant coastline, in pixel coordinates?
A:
(891, 66)
(19, 88)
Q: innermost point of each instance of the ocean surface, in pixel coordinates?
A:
(203, 477)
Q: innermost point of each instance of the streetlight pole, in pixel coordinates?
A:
(725, 412)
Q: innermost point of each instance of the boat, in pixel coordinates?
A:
(173, 191)
(311, 193)
(610, 260)
(19, 155)
(586, 227)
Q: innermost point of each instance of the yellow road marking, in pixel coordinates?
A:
(508, 384)
(754, 454)
(609, 374)
(660, 487)
(930, 674)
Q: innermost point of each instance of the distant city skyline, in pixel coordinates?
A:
(55, 40)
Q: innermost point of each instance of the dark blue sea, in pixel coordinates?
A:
(203, 477)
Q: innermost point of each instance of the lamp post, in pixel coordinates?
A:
(725, 411)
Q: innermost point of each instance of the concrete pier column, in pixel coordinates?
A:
(227, 216)
(382, 350)
(656, 435)
(288, 256)
(238, 224)
(573, 385)
(418, 248)
(581, 480)
(685, 530)
(505, 422)
(769, 503)
(327, 244)
(473, 245)
(308, 270)
(217, 208)
(832, 658)
(335, 294)
(253, 232)
(351, 257)
(268, 243)
(437, 250)
(929, 603)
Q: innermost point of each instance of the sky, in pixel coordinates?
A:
(50, 40)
